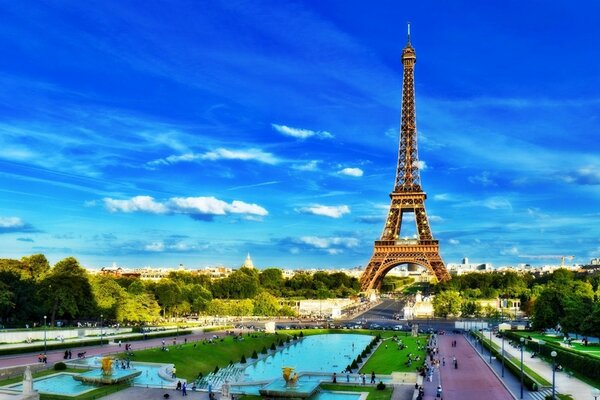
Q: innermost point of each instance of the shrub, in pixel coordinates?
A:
(381, 386)
(287, 339)
(354, 364)
(273, 346)
(359, 358)
(301, 334)
(60, 366)
(280, 343)
(295, 337)
(254, 355)
(264, 350)
(216, 369)
(243, 360)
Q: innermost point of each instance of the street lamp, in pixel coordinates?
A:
(522, 344)
(503, 354)
(101, 322)
(553, 354)
(45, 348)
(595, 393)
(490, 344)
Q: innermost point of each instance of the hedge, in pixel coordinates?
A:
(571, 359)
(39, 348)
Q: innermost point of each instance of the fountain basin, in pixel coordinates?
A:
(96, 377)
(278, 389)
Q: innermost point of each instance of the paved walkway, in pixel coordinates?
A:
(472, 380)
(110, 348)
(565, 383)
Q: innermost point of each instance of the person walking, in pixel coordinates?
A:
(184, 389)
(373, 377)
(439, 392)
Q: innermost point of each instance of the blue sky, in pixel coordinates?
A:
(160, 133)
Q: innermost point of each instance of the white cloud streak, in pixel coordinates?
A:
(326, 211)
(219, 154)
(300, 133)
(11, 222)
(355, 172)
(184, 205)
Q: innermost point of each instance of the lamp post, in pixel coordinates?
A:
(101, 322)
(490, 343)
(522, 344)
(595, 393)
(553, 354)
(503, 354)
(45, 348)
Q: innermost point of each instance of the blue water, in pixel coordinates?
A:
(149, 376)
(62, 383)
(318, 353)
(325, 395)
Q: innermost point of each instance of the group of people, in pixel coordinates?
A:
(182, 387)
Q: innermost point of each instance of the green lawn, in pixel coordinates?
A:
(374, 394)
(387, 358)
(593, 351)
(190, 360)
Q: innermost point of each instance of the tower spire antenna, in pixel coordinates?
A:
(408, 33)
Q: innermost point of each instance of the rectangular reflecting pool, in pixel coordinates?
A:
(60, 384)
(319, 353)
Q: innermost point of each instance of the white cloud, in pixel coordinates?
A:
(213, 206)
(11, 222)
(219, 154)
(301, 133)
(312, 165)
(155, 246)
(421, 165)
(184, 205)
(356, 172)
(244, 155)
(326, 211)
(435, 218)
(482, 179)
(442, 197)
(327, 243)
(137, 203)
(454, 241)
(510, 251)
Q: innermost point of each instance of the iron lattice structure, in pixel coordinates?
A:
(407, 197)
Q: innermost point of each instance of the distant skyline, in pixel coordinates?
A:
(167, 133)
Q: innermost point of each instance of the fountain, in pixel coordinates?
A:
(107, 375)
(290, 380)
(290, 387)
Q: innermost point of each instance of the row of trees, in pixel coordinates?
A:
(30, 289)
(563, 298)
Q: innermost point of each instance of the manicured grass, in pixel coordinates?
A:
(374, 394)
(387, 358)
(593, 351)
(190, 360)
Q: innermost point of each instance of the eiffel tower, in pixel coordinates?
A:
(407, 198)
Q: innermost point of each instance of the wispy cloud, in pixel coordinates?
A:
(328, 244)
(300, 133)
(202, 208)
(219, 154)
(355, 172)
(15, 225)
(312, 165)
(482, 179)
(583, 176)
(326, 211)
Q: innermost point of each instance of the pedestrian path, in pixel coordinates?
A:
(565, 383)
(469, 379)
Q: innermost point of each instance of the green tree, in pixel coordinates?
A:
(447, 303)
(470, 309)
(35, 266)
(266, 304)
(168, 294)
(138, 308)
(67, 291)
(108, 294)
